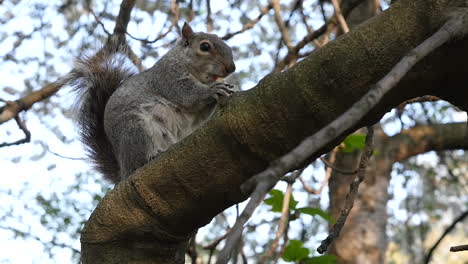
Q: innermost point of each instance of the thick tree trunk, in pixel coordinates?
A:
(149, 217)
(363, 238)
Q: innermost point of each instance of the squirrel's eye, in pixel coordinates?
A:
(204, 46)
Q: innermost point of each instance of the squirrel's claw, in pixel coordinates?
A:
(222, 92)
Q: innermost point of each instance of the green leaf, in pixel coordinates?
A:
(276, 201)
(354, 142)
(326, 259)
(295, 251)
(316, 211)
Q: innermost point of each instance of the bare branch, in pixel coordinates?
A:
(279, 21)
(216, 242)
(209, 20)
(27, 134)
(339, 16)
(12, 108)
(459, 248)
(457, 220)
(98, 20)
(250, 24)
(191, 12)
(284, 221)
(161, 35)
(296, 6)
(330, 168)
(353, 191)
(192, 249)
(292, 54)
(293, 176)
(64, 157)
(175, 14)
(425, 98)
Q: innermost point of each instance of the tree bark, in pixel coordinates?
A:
(149, 217)
(363, 239)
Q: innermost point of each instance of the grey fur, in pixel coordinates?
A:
(152, 110)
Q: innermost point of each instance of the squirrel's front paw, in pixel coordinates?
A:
(222, 91)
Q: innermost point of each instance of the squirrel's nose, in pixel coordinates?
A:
(231, 68)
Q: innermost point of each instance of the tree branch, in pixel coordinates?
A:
(459, 248)
(282, 226)
(250, 24)
(339, 16)
(424, 138)
(294, 51)
(353, 191)
(460, 218)
(27, 134)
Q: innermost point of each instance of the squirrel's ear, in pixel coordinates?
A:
(187, 32)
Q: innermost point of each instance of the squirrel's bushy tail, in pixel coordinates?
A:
(96, 78)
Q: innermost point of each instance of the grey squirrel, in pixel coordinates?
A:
(127, 119)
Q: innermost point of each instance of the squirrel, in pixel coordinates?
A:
(127, 119)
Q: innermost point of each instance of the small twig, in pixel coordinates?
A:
(425, 98)
(326, 36)
(209, 20)
(53, 241)
(296, 6)
(322, 11)
(377, 7)
(175, 18)
(236, 231)
(309, 29)
(339, 16)
(216, 242)
(353, 191)
(98, 20)
(212, 246)
(64, 157)
(191, 12)
(279, 21)
(308, 188)
(250, 24)
(13, 108)
(292, 177)
(460, 218)
(175, 14)
(285, 241)
(27, 134)
(331, 167)
(135, 59)
(160, 35)
(243, 256)
(292, 54)
(459, 248)
(283, 223)
(192, 249)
